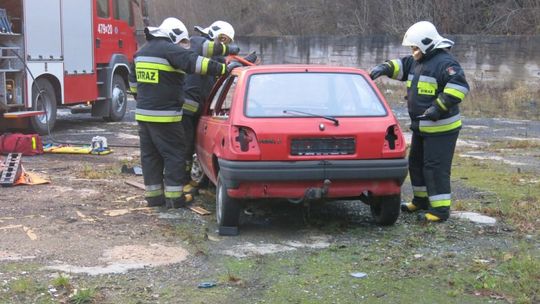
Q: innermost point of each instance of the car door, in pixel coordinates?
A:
(213, 127)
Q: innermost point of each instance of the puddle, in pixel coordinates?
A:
(121, 259)
(250, 249)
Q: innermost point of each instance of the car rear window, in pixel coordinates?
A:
(329, 94)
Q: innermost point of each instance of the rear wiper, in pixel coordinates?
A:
(336, 122)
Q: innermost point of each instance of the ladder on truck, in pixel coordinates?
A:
(12, 169)
(12, 105)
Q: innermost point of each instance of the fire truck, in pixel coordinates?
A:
(64, 53)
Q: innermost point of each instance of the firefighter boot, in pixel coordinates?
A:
(155, 201)
(189, 188)
(418, 203)
(179, 202)
(439, 214)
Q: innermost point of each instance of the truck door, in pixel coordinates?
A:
(114, 29)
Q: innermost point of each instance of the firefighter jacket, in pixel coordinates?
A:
(437, 79)
(197, 87)
(160, 68)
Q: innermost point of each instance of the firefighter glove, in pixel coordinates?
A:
(252, 57)
(432, 113)
(233, 49)
(233, 65)
(379, 70)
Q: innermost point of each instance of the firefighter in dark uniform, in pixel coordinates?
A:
(435, 86)
(214, 43)
(157, 80)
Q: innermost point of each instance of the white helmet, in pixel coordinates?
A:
(218, 28)
(171, 28)
(424, 35)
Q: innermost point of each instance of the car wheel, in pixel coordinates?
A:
(43, 99)
(118, 103)
(385, 209)
(197, 173)
(227, 208)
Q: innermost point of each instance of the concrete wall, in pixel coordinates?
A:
(494, 60)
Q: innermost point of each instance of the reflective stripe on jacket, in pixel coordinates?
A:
(438, 80)
(197, 87)
(159, 71)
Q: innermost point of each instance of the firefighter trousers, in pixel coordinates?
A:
(162, 158)
(190, 124)
(430, 162)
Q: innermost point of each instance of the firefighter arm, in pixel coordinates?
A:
(456, 87)
(212, 48)
(190, 62)
(132, 81)
(399, 68)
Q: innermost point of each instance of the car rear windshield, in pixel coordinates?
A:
(301, 94)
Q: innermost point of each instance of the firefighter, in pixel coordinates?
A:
(157, 78)
(215, 42)
(435, 86)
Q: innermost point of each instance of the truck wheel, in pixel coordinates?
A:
(227, 208)
(385, 209)
(44, 101)
(197, 173)
(118, 104)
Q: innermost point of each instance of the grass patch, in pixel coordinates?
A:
(512, 276)
(83, 296)
(61, 282)
(196, 236)
(518, 100)
(89, 171)
(506, 193)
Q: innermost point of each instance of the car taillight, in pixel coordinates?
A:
(244, 139)
(393, 139)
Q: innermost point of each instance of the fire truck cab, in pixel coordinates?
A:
(61, 53)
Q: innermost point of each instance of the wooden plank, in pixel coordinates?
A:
(135, 184)
(199, 210)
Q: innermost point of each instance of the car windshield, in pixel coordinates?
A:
(305, 94)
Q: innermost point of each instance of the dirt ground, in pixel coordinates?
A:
(89, 225)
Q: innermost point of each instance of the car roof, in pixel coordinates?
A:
(284, 68)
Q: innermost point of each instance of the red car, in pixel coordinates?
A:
(301, 132)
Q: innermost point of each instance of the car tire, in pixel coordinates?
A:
(197, 173)
(385, 209)
(227, 208)
(118, 102)
(46, 101)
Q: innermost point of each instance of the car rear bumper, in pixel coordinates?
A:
(236, 172)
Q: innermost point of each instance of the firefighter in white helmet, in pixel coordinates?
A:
(216, 42)
(157, 79)
(435, 86)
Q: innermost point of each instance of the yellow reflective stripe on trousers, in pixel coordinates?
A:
(440, 200)
(173, 191)
(398, 69)
(153, 190)
(443, 125)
